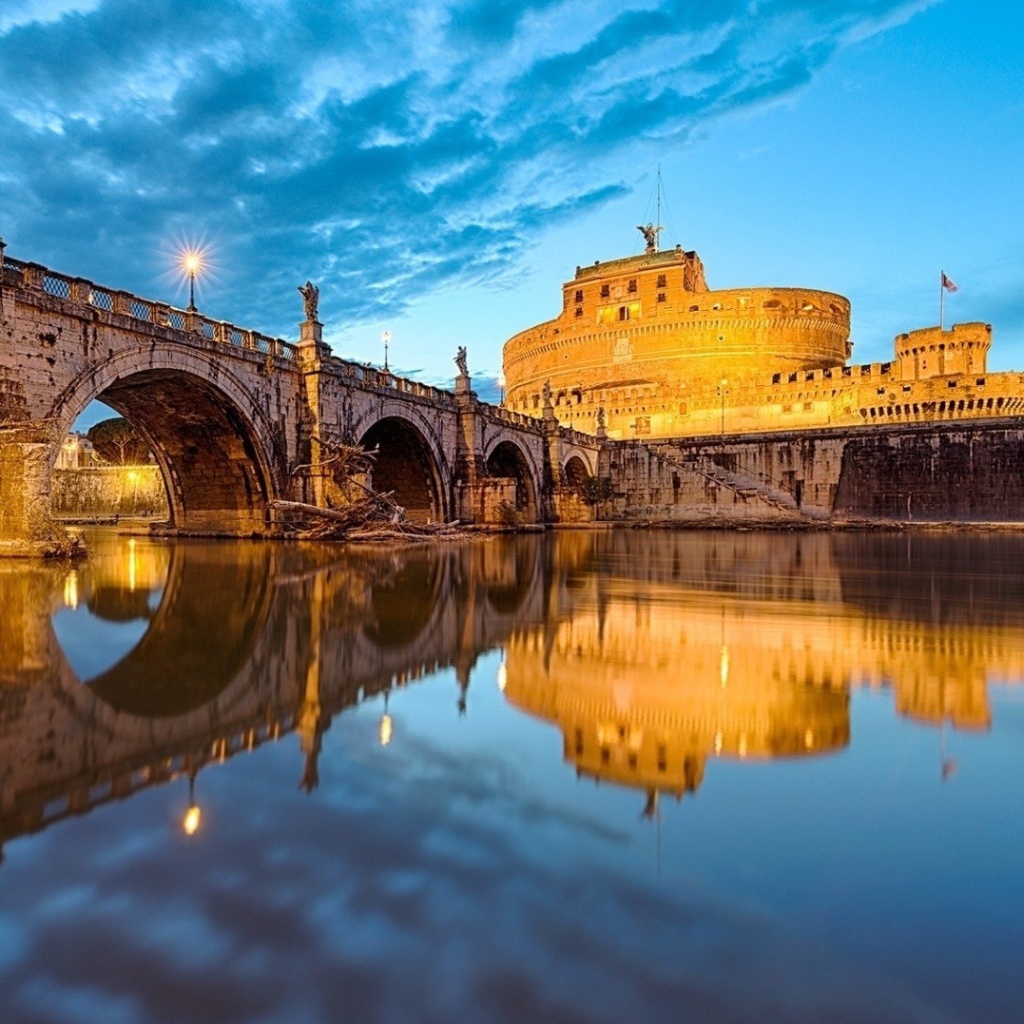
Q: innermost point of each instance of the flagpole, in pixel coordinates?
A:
(942, 295)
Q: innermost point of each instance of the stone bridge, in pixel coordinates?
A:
(236, 419)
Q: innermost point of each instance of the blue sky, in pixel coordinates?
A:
(440, 168)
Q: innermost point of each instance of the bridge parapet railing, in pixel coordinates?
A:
(78, 289)
(512, 418)
(574, 436)
(373, 376)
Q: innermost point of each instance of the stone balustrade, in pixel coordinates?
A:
(122, 303)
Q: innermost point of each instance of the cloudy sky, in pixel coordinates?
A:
(439, 168)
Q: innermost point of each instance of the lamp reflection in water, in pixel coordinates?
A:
(386, 729)
(193, 816)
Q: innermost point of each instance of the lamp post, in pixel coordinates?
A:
(386, 338)
(501, 387)
(3, 246)
(192, 262)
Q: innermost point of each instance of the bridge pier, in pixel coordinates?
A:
(26, 528)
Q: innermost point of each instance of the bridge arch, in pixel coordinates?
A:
(506, 458)
(219, 455)
(576, 469)
(409, 462)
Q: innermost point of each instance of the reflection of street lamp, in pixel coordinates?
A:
(386, 338)
(192, 262)
(386, 725)
(193, 816)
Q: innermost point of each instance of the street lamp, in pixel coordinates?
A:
(501, 387)
(192, 262)
(386, 338)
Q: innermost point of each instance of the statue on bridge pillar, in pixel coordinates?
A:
(311, 299)
(460, 361)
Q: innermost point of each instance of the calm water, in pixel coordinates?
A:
(595, 777)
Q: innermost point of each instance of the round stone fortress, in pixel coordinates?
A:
(646, 341)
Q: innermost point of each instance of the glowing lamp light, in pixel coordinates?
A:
(386, 729)
(190, 823)
(193, 816)
(502, 677)
(192, 262)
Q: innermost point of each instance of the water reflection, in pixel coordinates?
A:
(651, 655)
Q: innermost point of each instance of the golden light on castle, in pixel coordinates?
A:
(644, 346)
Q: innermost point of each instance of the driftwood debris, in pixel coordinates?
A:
(359, 513)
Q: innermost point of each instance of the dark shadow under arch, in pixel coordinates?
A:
(507, 460)
(217, 477)
(405, 466)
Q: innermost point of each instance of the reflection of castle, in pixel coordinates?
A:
(746, 647)
(644, 691)
(644, 339)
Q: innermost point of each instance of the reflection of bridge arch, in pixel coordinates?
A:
(213, 441)
(508, 593)
(506, 458)
(170, 677)
(406, 604)
(409, 461)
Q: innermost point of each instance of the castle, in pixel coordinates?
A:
(643, 347)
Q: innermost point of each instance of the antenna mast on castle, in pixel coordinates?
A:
(657, 216)
(651, 231)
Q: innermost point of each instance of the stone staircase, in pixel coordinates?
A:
(746, 485)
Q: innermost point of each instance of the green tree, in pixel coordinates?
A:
(117, 441)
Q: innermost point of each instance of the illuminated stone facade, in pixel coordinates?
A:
(646, 341)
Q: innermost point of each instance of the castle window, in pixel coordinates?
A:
(661, 281)
(792, 378)
(717, 305)
(661, 296)
(623, 312)
(906, 388)
(579, 311)
(951, 384)
(847, 371)
(886, 367)
(694, 309)
(632, 285)
(980, 381)
(579, 295)
(606, 290)
(776, 378)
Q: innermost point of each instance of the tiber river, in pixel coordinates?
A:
(590, 777)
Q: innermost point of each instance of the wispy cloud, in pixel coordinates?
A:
(383, 149)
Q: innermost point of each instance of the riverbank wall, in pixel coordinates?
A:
(929, 472)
